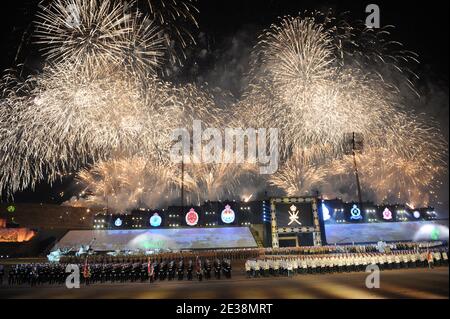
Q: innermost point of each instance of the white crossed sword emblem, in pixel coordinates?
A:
(293, 215)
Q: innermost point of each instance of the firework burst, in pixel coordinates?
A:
(127, 183)
(176, 18)
(99, 33)
(99, 103)
(317, 78)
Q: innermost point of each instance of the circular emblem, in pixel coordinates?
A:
(416, 214)
(228, 216)
(191, 217)
(387, 214)
(155, 220)
(118, 222)
(325, 212)
(11, 209)
(356, 212)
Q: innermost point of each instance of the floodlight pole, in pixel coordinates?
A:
(182, 185)
(356, 169)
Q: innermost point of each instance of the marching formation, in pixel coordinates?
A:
(217, 264)
(46, 273)
(228, 254)
(347, 262)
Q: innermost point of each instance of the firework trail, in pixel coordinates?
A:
(315, 96)
(99, 33)
(127, 183)
(176, 18)
(317, 78)
(67, 119)
(88, 104)
(215, 182)
(386, 177)
(300, 176)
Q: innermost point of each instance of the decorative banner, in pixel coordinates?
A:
(356, 213)
(155, 220)
(387, 214)
(293, 215)
(416, 214)
(228, 216)
(325, 212)
(118, 222)
(191, 217)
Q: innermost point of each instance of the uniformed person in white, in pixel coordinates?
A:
(444, 258)
(248, 268)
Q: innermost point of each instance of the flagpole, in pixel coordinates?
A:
(182, 186)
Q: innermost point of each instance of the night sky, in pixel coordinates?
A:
(228, 30)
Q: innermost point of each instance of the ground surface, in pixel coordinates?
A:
(408, 283)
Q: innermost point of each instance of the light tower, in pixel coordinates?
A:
(354, 143)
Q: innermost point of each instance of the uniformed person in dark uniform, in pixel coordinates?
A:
(162, 270)
(217, 268)
(180, 269)
(33, 275)
(199, 269)
(190, 269)
(207, 266)
(171, 270)
(226, 266)
(11, 277)
(2, 273)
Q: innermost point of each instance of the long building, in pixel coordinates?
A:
(272, 222)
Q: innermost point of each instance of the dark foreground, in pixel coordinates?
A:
(408, 283)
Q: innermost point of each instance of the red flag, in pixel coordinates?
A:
(86, 269)
(150, 268)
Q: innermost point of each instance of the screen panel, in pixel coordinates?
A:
(174, 239)
(374, 232)
(294, 214)
(228, 214)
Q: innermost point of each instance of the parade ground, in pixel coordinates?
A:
(395, 284)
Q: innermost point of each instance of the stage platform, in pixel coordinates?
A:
(151, 239)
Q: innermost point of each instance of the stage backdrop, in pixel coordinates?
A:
(175, 239)
(374, 232)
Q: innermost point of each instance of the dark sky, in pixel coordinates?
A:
(421, 26)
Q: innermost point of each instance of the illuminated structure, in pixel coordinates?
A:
(302, 221)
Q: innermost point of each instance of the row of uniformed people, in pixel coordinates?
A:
(2, 273)
(230, 254)
(330, 249)
(343, 263)
(36, 274)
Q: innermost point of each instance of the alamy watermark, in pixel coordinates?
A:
(73, 279)
(73, 16)
(373, 279)
(373, 19)
(235, 145)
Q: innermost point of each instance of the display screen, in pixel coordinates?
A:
(174, 239)
(228, 214)
(388, 231)
(294, 214)
(191, 217)
(354, 213)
